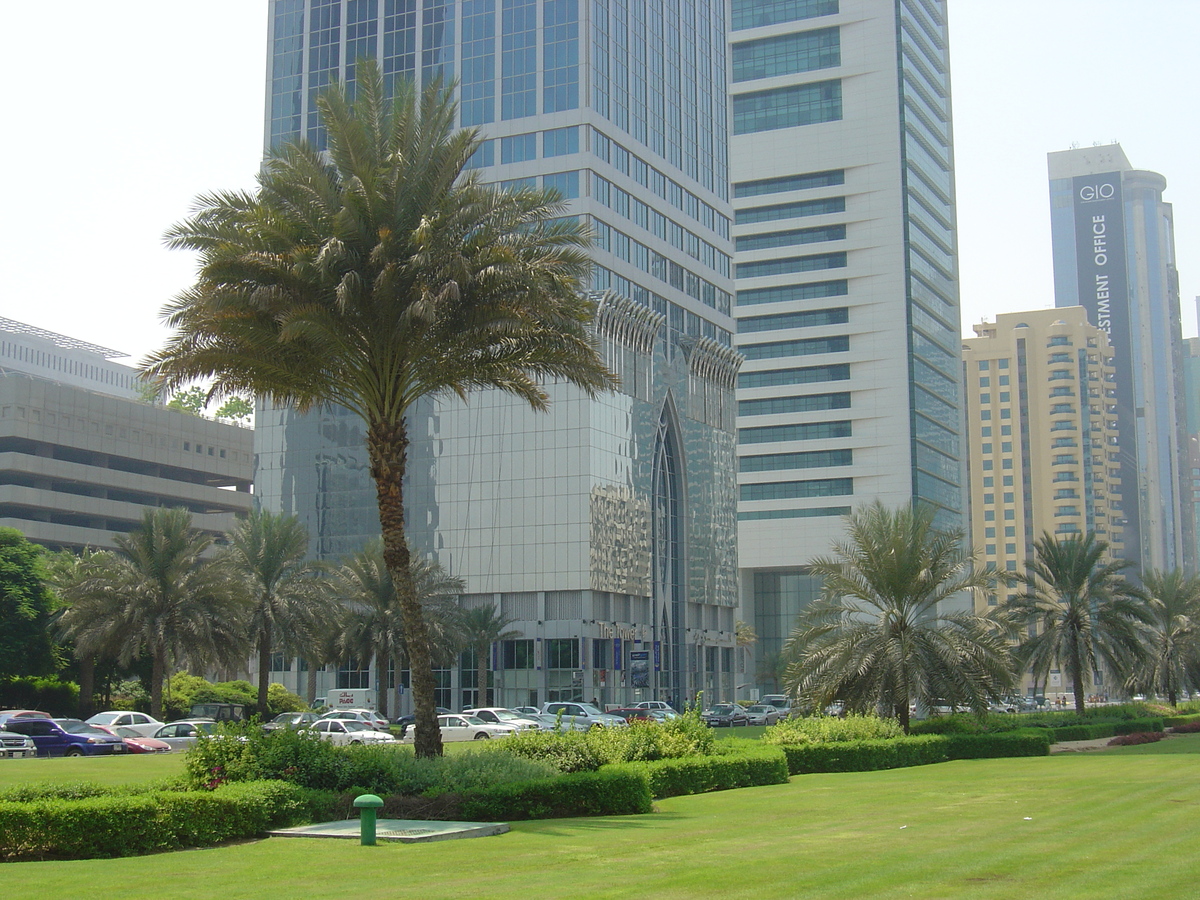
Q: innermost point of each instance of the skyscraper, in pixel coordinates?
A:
(1114, 254)
(847, 289)
(1042, 436)
(605, 530)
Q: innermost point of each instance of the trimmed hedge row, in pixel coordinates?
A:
(1176, 721)
(700, 774)
(612, 791)
(124, 824)
(1104, 730)
(918, 750)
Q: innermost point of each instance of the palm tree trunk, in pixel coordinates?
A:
(383, 662)
(310, 686)
(1077, 685)
(387, 445)
(264, 668)
(87, 686)
(157, 674)
(903, 715)
(481, 673)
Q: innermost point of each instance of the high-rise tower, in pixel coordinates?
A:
(1114, 254)
(606, 529)
(847, 289)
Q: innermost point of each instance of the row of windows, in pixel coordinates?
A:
(803, 347)
(69, 366)
(653, 263)
(812, 513)
(805, 431)
(791, 238)
(811, 459)
(791, 265)
(795, 490)
(808, 318)
(797, 210)
(758, 13)
(787, 183)
(786, 293)
(681, 320)
(653, 180)
(787, 107)
(807, 375)
(787, 54)
(630, 207)
(770, 406)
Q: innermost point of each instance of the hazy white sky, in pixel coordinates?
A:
(120, 113)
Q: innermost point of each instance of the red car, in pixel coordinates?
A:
(134, 742)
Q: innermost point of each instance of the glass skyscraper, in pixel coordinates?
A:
(605, 530)
(847, 287)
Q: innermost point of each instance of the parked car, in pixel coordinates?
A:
(290, 720)
(526, 710)
(548, 722)
(343, 732)
(139, 722)
(586, 713)
(652, 704)
(135, 741)
(370, 716)
(66, 737)
(6, 714)
(455, 727)
(16, 746)
(763, 714)
(405, 721)
(836, 708)
(183, 732)
(663, 715)
(724, 715)
(634, 713)
(495, 715)
(783, 703)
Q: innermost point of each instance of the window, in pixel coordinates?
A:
(1005, 397)
(803, 460)
(803, 347)
(562, 653)
(1005, 430)
(1006, 446)
(791, 490)
(1010, 531)
(807, 375)
(791, 265)
(787, 54)
(768, 406)
(757, 13)
(560, 141)
(789, 183)
(518, 148)
(516, 654)
(1002, 363)
(809, 318)
(985, 398)
(787, 107)
(986, 448)
(986, 431)
(1003, 380)
(983, 365)
(811, 291)
(988, 481)
(989, 532)
(985, 381)
(797, 210)
(807, 431)
(794, 237)
(566, 183)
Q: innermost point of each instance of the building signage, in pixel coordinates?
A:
(617, 654)
(658, 656)
(639, 668)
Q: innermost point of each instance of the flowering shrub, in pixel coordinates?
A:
(1138, 737)
(829, 729)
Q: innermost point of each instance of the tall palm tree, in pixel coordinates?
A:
(374, 625)
(1172, 633)
(479, 628)
(878, 636)
(1079, 612)
(290, 600)
(160, 596)
(377, 273)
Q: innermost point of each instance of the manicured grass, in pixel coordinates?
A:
(1184, 743)
(102, 770)
(1057, 828)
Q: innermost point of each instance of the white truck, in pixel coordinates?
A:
(352, 698)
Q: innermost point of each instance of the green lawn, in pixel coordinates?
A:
(1069, 826)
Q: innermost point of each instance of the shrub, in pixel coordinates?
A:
(914, 750)
(740, 767)
(827, 729)
(1177, 722)
(1190, 727)
(568, 752)
(32, 692)
(619, 791)
(124, 824)
(1136, 737)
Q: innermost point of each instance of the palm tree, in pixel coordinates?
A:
(290, 600)
(377, 273)
(878, 636)
(1172, 633)
(159, 596)
(374, 625)
(1079, 612)
(479, 628)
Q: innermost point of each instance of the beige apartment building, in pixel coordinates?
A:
(1042, 445)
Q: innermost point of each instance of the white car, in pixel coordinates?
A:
(370, 716)
(651, 704)
(16, 746)
(343, 732)
(457, 727)
(495, 715)
(584, 713)
(183, 733)
(140, 722)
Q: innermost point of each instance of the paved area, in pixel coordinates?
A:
(407, 831)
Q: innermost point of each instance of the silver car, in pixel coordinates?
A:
(16, 746)
(584, 713)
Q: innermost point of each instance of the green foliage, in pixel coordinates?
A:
(586, 751)
(236, 408)
(192, 401)
(26, 604)
(131, 694)
(824, 729)
(616, 791)
(744, 766)
(1098, 730)
(185, 689)
(120, 823)
(913, 750)
(31, 692)
(281, 700)
(1177, 722)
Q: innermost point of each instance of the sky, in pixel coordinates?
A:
(120, 114)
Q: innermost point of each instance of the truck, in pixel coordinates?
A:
(351, 698)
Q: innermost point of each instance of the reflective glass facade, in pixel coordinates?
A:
(842, 172)
(606, 529)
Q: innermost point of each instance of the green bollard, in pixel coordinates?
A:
(367, 803)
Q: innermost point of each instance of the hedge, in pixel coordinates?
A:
(918, 750)
(700, 774)
(122, 824)
(1176, 721)
(1104, 729)
(612, 791)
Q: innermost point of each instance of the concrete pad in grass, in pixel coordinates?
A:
(406, 831)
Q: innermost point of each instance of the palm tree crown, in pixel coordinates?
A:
(1172, 633)
(878, 635)
(376, 273)
(1079, 611)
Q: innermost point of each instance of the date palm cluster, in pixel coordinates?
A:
(896, 627)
